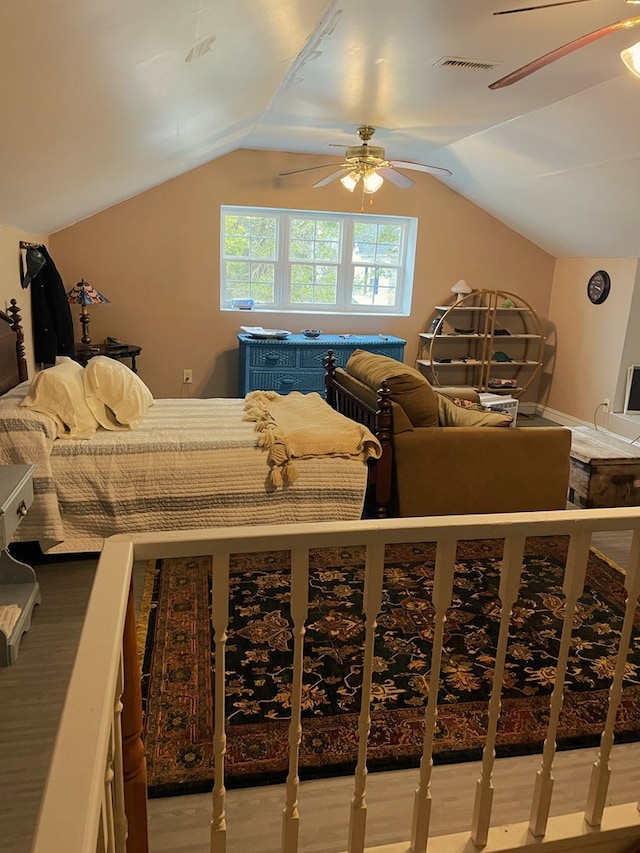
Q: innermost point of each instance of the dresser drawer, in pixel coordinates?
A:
(17, 486)
(272, 357)
(281, 381)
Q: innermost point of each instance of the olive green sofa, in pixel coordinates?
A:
(444, 455)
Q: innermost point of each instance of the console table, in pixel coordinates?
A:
(296, 363)
(19, 590)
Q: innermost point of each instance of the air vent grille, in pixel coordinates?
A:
(466, 63)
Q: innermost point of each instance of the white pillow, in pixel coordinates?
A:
(110, 383)
(59, 392)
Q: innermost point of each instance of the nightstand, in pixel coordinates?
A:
(19, 590)
(84, 352)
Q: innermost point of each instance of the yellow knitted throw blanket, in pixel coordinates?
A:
(299, 426)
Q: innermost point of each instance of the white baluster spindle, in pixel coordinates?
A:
(574, 575)
(508, 592)
(441, 596)
(299, 610)
(601, 771)
(374, 573)
(220, 623)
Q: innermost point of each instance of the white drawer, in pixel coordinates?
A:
(16, 496)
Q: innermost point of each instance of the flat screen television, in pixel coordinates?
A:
(632, 394)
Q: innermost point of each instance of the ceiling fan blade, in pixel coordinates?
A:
(306, 169)
(339, 174)
(420, 167)
(543, 6)
(397, 178)
(560, 52)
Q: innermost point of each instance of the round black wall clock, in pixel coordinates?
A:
(598, 287)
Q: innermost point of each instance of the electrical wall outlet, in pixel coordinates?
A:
(187, 377)
(606, 404)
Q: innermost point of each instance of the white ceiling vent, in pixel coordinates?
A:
(466, 63)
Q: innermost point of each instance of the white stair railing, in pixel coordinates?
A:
(598, 827)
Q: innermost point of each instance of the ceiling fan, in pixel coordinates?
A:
(630, 56)
(367, 163)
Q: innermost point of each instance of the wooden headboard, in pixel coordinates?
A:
(13, 364)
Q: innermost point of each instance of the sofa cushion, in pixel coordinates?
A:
(408, 386)
(454, 412)
(462, 392)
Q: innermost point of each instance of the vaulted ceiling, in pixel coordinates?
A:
(102, 99)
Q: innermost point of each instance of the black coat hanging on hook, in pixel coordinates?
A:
(50, 311)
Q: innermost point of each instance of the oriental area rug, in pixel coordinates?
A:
(178, 663)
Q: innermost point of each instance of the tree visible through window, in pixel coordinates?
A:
(310, 261)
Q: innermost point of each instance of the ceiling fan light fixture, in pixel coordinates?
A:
(350, 181)
(631, 58)
(372, 181)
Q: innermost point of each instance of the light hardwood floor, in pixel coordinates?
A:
(31, 697)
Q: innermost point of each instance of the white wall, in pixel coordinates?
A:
(590, 340)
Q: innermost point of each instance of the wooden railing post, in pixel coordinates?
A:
(133, 760)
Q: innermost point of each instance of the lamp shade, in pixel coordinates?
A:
(349, 181)
(372, 181)
(461, 288)
(83, 294)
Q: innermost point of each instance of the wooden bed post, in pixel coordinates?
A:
(16, 325)
(330, 372)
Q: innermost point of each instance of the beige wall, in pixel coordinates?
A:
(156, 256)
(10, 280)
(590, 338)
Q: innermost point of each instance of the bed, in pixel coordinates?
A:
(189, 463)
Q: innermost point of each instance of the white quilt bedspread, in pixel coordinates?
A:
(190, 463)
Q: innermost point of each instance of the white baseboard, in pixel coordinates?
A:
(613, 424)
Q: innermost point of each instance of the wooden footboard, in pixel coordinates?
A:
(379, 419)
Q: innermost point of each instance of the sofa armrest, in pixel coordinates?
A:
(461, 470)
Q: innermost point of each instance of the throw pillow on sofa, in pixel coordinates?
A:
(408, 386)
(461, 413)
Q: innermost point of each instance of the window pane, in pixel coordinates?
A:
(300, 250)
(320, 284)
(365, 232)
(246, 280)
(250, 236)
(374, 286)
(387, 254)
(314, 240)
(262, 247)
(377, 243)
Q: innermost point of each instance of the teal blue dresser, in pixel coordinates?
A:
(296, 363)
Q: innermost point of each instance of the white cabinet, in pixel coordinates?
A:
(489, 339)
(19, 590)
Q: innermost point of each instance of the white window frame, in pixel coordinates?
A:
(282, 265)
